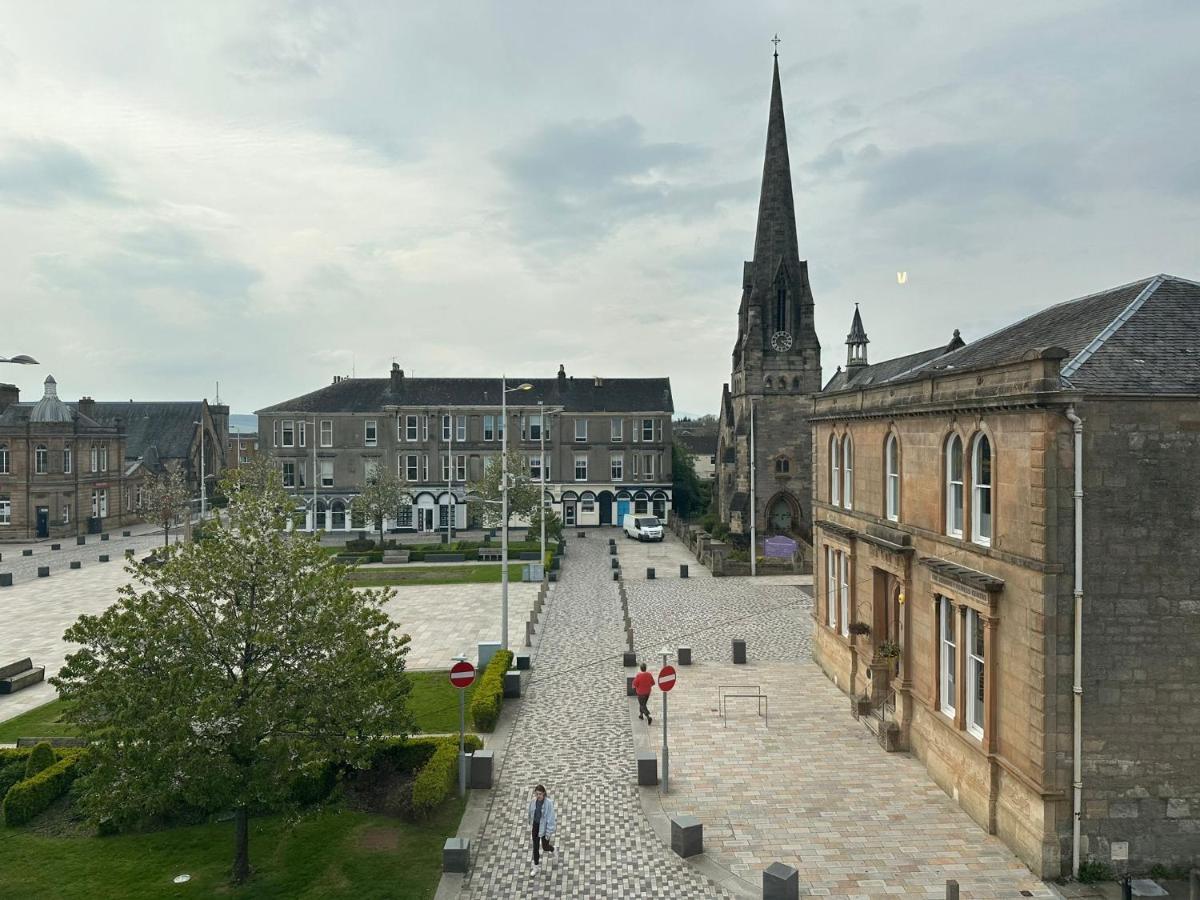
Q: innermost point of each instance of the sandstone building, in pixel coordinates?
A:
(776, 364)
(947, 527)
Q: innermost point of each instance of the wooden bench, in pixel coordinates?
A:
(489, 554)
(20, 674)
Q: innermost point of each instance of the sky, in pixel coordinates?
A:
(269, 194)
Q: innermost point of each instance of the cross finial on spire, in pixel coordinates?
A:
(775, 41)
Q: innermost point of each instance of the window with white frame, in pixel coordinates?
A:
(41, 459)
(835, 472)
(844, 606)
(289, 433)
(535, 466)
(616, 429)
(831, 586)
(847, 472)
(371, 433)
(580, 430)
(447, 426)
(489, 428)
(891, 461)
(461, 429)
(411, 472)
(326, 470)
(67, 461)
(5, 511)
(460, 467)
(974, 674)
(617, 466)
(948, 660)
(4, 470)
(581, 466)
(327, 432)
(289, 474)
(981, 491)
(410, 429)
(954, 487)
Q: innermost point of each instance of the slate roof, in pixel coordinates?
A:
(1138, 338)
(573, 394)
(159, 429)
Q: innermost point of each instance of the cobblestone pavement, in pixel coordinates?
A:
(572, 735)
(801, 783)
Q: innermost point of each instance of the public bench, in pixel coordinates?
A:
(20, 674)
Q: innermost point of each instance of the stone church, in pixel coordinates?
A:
(776, 365)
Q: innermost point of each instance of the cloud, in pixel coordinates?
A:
(49, 173)
(579, 180)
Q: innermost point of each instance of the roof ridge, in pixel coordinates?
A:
(1072, 365)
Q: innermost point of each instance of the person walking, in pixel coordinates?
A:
(541, 817)
(643, 682)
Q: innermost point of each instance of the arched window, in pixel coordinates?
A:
(981, 491)
(41, 460)
(4, 459)
(835, 472)
(954, 487)
(891, 460)
(847, 472)
(782, 466)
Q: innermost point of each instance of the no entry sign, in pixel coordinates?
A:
(462, 674)
(666, 678)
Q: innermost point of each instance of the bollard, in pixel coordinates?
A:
(951, 889)
(683, 570)
(649, 574)
(739, 651)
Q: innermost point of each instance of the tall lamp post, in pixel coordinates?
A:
(504, 392)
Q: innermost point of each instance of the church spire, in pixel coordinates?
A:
(775, 239)
(856, 342)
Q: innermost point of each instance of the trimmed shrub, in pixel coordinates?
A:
(30, 798)
(488, 699)
(41, 758)
(435, 781)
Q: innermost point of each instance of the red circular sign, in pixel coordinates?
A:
(462, 674)
(666, 678)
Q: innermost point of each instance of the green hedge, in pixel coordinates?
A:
(488, 699)
(436, 779)
(31, 797)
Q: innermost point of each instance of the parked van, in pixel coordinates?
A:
(642, 527)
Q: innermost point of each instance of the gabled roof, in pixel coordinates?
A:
(360, 395)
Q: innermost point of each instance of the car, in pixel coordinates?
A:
(642, 526)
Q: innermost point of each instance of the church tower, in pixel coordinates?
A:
(776, 363)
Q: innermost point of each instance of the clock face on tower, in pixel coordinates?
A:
(781, 340)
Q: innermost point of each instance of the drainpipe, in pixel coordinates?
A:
(1077, 755)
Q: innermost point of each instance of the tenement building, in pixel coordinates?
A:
(763, 430)
(1005, 543)
(607, 444)
(61, 471)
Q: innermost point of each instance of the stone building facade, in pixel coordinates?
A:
(776, 365)
(946, 524)
(62, 473)
(607, 444)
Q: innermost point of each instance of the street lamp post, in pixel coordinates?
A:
(504, 391)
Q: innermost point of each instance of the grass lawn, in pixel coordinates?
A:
(42, 721)
(434, 702)
(483, 573)
(327, 854)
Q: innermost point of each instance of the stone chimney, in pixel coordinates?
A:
(9, 394)
(397, 378)
(87, 407)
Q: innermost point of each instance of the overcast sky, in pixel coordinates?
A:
(271, 194)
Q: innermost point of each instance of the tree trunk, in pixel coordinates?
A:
(241, 845)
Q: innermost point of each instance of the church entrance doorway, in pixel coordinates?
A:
(605, 499)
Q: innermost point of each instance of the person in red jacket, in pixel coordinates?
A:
(643, 682)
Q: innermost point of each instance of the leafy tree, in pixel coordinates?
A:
(383, 495)
(241, 662)
(686, 493)
(166, 500)
(523, 492)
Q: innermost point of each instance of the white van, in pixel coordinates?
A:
(642, 526)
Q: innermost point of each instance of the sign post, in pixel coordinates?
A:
(666, 681)
(462, 675)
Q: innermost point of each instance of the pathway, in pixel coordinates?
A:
(572, 735)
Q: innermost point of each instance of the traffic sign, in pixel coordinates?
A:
(462, 674)
(666, 678)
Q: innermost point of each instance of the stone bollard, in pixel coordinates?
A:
(687, 836)
(76, 564)
(628, 659)
(951, 889)
(479, 770)
(683, 570)
(456, 855)
(684, 655)
(649, 574)
(781, 882)
(647, 769)
(27, 553)
(43, 571)
(739, 651)
(103, 557)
